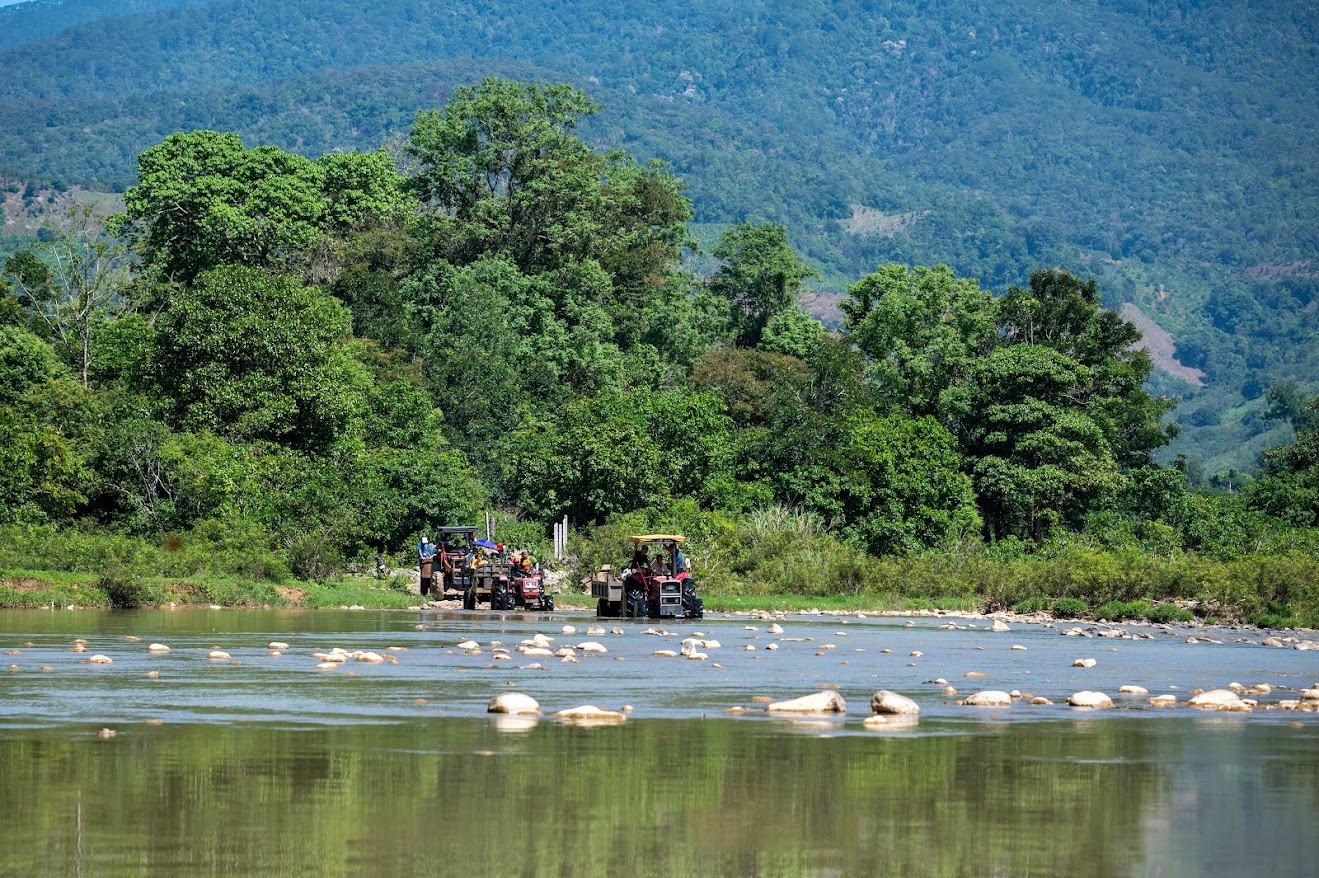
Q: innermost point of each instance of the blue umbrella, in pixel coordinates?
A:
(487, 544)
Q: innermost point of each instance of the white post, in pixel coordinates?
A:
(565, 536)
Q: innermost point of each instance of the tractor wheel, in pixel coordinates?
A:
(469, 599)
(602, 608)
(425, 586)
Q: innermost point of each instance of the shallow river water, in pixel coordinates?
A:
(265, 765)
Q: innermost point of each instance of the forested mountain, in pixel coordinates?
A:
(270, 365)
(1162, 146)
(27, 20)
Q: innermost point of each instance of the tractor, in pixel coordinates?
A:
(447, 571)
(656, 588)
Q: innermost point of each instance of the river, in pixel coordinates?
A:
(267, 765)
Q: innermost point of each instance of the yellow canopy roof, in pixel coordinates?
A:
(654, 538)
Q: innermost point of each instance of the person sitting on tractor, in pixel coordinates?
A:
(677, 561)
(425, 549)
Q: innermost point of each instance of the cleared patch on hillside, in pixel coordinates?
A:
(823, 306)
(869, 221)
(1161, 347)
(23, 211)
(1276, 270)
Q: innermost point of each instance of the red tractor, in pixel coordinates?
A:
(529, 592)
(658, 587)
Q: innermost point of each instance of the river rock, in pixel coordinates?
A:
(1133, 690)
(568, 629)
(1040, 700)
(1218, 699)
(157, 647)
(592, 646)
(989, 698)
(541, 641)
(697, 656)
(469, 644)
(589, 713)
(775, 628)
(1084, 663)
(885, 701)
(827, 701)
(1017, 647)
(595, 631)
(371, 658)
(665, 653)
(1307, 645)
(999, 625)
(277, 644)
(874, 721)
(772, 646)
(535, 651)
(1086, 698)
(1310, 694)
(1274, 642)
(1164, 700)
(100, 660)
(217, 654)
(513, 703)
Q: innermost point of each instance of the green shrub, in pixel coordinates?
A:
(1164, 614)
(1036, 604)
(1117, 611)
(1070, 608)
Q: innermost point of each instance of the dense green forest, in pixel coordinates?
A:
(269, 366)
(1162, 147)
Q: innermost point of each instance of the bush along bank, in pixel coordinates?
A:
(771, 559)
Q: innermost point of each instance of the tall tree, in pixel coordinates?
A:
(249, 355)
(1289, 484)
(203, 200)
(73, 282)
(1042, 388)
(760, 276)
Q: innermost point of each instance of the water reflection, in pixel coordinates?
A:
(655, 797)
(271, 767)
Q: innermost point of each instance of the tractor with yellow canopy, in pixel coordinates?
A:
(656, 583)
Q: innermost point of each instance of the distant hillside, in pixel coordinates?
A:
(1165, 147)
(22, 21)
